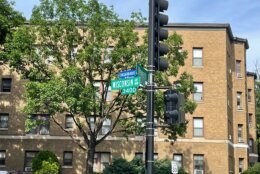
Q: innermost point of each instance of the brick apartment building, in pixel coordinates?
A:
(221, 133)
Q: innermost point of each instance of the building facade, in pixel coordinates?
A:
(221, 132)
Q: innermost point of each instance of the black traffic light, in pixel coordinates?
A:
(160, 34)
(173, 107)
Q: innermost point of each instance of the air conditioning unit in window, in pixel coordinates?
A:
(240, 139)
(198, 171)
(239, 75)
(239, 107)
(28, 169)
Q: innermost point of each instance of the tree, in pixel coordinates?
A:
(9, 19)
(62, 81)
(46, 162)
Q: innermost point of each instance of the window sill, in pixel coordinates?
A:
(240, 110)
(7, 93)
(67, 167)
(199, 67)
(197, 137)
(199, 102)
(3, 129)
(2, 165)
(37, 135)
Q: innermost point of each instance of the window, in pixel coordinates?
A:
(198, 164)
(251, 145)
(197, 57)
(101, 160)
(92, 123)
(73, 52)
(155, 127)
(41, 124)
(239, 100)
(250, 121)
(4, 120)
(107, 57)
(249, 95)
(238, 68)
(241, 165)
(198, 94)
(139, 155)
(198, 127)
(100, 89)
(69, 122)
(106, 126)
(2, 157)
(140, 121)
(178, 158)
(6, 85)
(29, 155)
(240, 133)
(67, 158)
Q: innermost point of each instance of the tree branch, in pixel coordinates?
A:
(69, 133)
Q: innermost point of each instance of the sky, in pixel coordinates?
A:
(242, 15)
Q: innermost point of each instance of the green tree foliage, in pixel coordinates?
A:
(46, 162)
(9, 18)
(136, 166)
(62, 81)
(253, 170)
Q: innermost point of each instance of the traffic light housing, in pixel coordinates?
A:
(160, 34)
(173, 107)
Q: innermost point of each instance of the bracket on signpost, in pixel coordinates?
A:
(143, 74)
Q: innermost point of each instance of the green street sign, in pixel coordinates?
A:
(142, 73)
(126, 91)
(125, 83)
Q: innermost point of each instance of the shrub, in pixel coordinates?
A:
(137, 166)
(46, 162)
(255, 169)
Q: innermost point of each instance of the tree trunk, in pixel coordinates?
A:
(90, 157)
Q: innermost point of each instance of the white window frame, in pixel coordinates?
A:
(106, 127)
(249, 95)
(178, 158)
(107, 56)
(3, 157)
(239, 101)
(240, 165)
(198, 92)
(29, 155)
(101, 160)
(238, 68)
(6, 84)
(41, 129)
(99, 90)
(67, 158)
(69, 122)
(197, 60)
(197, 167)
(198, 124)
(4, 121)
(240, 133)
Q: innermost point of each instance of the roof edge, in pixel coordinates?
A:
(252, 74)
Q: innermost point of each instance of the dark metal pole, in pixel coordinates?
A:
(150, 91)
